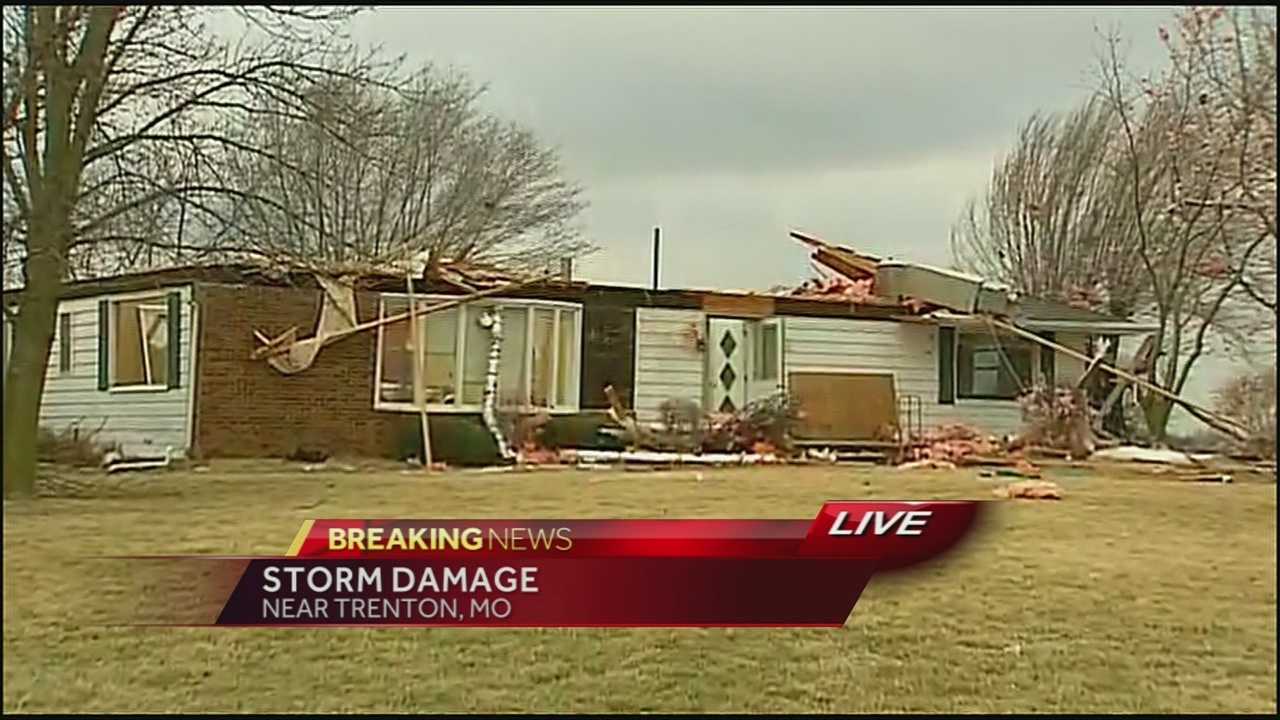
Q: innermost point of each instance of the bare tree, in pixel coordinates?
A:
(1224, 60)
(1047, 223)
(1198, 242)
(1156, 199)
(413, 176)
(113, 115)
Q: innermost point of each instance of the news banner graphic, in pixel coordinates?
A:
(580, 573)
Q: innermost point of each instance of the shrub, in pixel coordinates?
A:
(1250, 399)
(455, 439)
(69, 446)
(580, 431)
(1058, 417)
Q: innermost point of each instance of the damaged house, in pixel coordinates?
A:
(216, 361)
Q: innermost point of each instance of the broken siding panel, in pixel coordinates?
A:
(668, 364)
(907, 350)
(133, 419)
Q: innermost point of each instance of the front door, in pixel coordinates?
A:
(727, 353)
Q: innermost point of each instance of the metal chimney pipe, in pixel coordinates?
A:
(657, 240)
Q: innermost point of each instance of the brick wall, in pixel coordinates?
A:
(245, 408)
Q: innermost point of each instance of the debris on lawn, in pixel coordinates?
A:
(955, 443)
(1131, 453)
(532, 454)
(326, 465)
(127, 465)
(1210, 478)
(1030, 490)
(119, 460)
(1021, 468)
(928, 464)
(646, 457)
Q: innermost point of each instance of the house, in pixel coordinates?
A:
(166, 359)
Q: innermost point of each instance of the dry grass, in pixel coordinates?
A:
(1130, 594)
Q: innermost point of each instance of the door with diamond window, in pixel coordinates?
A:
(727, 353)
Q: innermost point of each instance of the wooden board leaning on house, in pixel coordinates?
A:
(839, 406)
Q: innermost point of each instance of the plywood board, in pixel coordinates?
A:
(844, 406)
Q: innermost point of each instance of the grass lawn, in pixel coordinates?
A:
(1131, 594)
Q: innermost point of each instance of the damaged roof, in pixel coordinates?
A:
(858, 272)
(844, 285)
(1030, 308)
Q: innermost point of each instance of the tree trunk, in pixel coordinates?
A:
(24, 379)
(1156, 410)
(24, 385)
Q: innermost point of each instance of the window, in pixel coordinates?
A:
(765, 360)
(64, 343)
(440, 328)
(139, 343)
(982, 373)
(538, 365)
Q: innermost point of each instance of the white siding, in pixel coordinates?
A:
(667, 364)
(155, 418)
(1067, 369)
(909, 352)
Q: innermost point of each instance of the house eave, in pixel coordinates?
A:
(1094, 327)
(1118, 327)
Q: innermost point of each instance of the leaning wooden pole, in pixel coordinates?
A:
(419, 369)
(1218, 422)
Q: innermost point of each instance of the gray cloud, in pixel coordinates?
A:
(726, 126)
(635, 92)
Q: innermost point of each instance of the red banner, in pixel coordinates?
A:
(586, 573)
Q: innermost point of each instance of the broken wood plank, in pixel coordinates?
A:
(272, 346)
(326, 339)
(1213, 420)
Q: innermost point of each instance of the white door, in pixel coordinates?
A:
(764, 337)
(727, 353)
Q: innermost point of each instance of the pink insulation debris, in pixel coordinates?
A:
(835, 287)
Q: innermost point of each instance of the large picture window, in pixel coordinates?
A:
(981, 372)
(538, 368)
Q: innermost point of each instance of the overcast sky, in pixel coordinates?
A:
(727, 126)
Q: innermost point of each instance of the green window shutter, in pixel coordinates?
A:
(1047, 357)
(946, 366)
(104, 310)
(175, 339)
